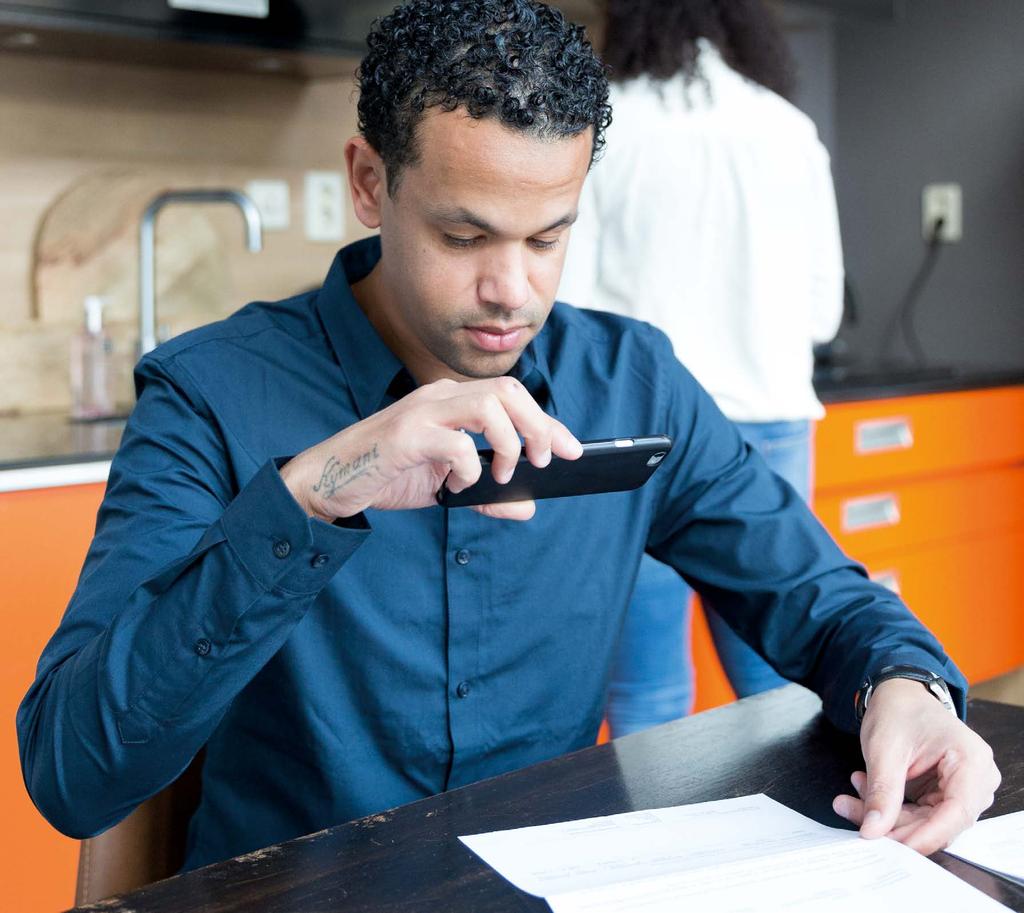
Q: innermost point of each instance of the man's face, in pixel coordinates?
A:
(473, 243)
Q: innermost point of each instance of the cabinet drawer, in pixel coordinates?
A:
(919, 435)
(44, 535)
(969, 595)
(870, 519)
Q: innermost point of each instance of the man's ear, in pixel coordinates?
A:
(367, 180)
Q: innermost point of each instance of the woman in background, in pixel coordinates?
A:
(712, 215)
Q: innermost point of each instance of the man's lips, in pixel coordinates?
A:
(497, 339)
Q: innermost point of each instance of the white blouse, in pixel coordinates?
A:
(712, 215)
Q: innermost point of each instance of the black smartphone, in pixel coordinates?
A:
(620, 464)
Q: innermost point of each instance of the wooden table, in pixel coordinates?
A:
(410, 858)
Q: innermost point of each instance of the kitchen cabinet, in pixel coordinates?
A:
(44, 535)
(307, 38)
(927, 493)
(321, 26)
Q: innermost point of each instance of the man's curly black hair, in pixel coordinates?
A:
(518, 61)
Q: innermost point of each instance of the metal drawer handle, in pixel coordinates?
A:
(865, 513)
(889, 579)
(877, 435)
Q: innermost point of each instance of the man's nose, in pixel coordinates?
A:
(505, 280)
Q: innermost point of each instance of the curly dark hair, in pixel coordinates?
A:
(658, 38)
(518, 61)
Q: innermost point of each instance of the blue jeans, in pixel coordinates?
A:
(651, 684)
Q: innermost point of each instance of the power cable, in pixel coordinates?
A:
(904, 316)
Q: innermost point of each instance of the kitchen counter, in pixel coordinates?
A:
(49, 440)
(49, 450)
(849, 383)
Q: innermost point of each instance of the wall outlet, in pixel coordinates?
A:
(273, 200)
(942, 201)
(325, 206)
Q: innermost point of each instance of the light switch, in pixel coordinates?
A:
(325, 206)
(273, 200)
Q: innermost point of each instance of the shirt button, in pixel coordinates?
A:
(320, 560)
(202, 646)
(462, 556)
(463, 689)
(282, 548)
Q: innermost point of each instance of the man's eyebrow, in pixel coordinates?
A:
(465, 217)
(567, 219)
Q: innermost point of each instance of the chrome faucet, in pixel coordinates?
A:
(147, 247)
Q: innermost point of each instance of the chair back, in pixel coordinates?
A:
(147, 846)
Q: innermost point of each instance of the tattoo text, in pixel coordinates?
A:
(337, 475)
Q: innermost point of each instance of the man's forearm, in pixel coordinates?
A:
(113, 718)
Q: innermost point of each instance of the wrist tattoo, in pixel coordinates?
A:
(337, 475)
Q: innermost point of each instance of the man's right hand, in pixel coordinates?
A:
(398, 458)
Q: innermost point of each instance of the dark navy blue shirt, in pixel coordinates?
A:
(333, 671)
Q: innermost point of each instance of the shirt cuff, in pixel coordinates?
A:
(279, 544)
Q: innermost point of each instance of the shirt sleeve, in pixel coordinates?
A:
(750, 546)
(827, 259)
(192, 582)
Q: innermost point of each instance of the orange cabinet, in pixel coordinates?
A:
(913, 437)
(969, 594)
(874, 519)
(44, 535)
(928, 493)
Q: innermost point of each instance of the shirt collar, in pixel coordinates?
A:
(374, 374)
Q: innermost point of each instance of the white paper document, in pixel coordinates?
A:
(996, 844)
(732, 856)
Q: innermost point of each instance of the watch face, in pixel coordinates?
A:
(939, 688)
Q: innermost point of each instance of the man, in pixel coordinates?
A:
(271, 579)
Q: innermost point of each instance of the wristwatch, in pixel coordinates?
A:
(934, 683)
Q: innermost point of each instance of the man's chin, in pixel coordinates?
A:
(480, 366)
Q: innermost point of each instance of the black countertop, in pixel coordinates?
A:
(30, 441)
(848, 383)
(52, 440)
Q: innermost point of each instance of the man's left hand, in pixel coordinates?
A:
(928, 776)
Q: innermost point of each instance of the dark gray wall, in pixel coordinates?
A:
(936, 96)
(811, 36)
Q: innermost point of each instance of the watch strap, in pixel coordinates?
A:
(935, 684)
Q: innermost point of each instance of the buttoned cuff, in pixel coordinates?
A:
(279, 544)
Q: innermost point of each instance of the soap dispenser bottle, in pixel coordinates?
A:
(92, 368)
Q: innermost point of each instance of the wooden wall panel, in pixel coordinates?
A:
(93, 142)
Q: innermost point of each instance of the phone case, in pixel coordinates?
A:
(620, 464)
